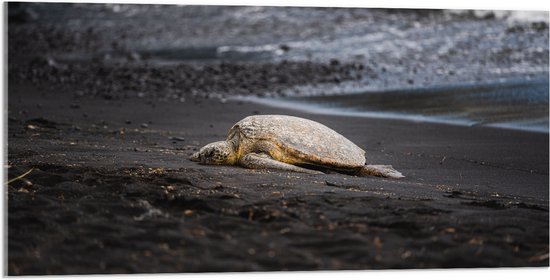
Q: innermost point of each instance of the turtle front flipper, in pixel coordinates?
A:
(380, 171)
(263, 161)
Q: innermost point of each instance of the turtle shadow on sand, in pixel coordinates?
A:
(292, 144)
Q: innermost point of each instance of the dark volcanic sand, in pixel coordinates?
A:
(109, 195)
(112, 190)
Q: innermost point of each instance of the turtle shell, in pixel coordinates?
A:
(303, 141)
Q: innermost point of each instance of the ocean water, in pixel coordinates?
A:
(475, 68)
(466, 67)
(520, 105)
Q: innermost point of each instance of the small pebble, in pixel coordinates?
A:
(177, 138)
(188, 212)
(284, 47)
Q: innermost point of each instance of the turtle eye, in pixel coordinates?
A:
(211, 155)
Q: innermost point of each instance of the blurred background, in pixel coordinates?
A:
(467, 67)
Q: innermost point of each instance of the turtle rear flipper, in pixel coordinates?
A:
(380, 171)
(263, 161)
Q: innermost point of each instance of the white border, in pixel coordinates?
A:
(439, 274)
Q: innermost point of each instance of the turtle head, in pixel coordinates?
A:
(217, 153)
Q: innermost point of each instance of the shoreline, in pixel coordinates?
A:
(412, 118)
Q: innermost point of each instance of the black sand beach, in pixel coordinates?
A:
(112, 190)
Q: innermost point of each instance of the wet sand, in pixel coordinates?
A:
(112, 191)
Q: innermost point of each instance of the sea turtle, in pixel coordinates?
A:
(292, 144)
